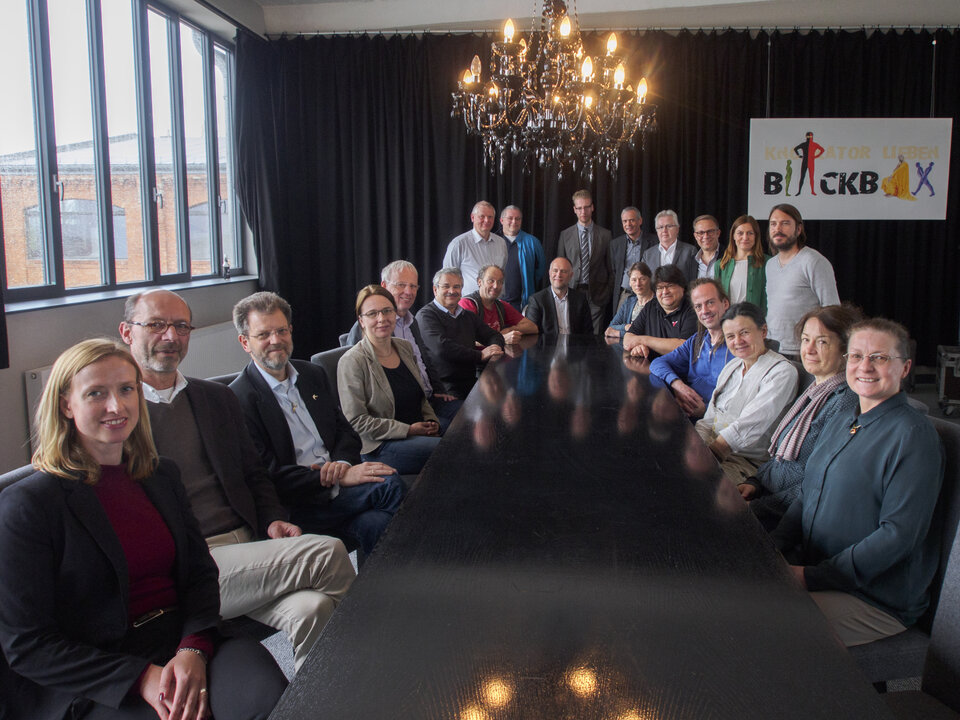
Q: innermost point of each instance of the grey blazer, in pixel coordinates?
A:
(601, 274)
(366, 397)
(685, 259)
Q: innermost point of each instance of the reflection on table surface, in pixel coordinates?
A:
(571, 550)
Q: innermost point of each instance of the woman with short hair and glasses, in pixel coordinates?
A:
(861, 536)
(109, 602)
(381, 391)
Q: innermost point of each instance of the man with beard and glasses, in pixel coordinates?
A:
(269, 570)
(302, 437)
(799, 279)
(452, 335)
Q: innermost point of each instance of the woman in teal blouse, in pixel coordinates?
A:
(742, 269)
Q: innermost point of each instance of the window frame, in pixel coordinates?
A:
(49, 205)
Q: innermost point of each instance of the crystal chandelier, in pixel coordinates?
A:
(550, 103)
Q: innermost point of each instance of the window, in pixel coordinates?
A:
(117, 148)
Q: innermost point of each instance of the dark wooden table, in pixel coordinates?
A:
(571, 551)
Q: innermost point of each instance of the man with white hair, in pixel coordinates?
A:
(670, 251)
(478, 246)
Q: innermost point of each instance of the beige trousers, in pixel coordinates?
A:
(292, 584)
(855, 621)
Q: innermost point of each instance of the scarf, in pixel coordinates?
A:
(805, 409)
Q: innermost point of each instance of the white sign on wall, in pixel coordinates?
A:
(851, 168)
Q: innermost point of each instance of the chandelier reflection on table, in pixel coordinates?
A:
(550, 103)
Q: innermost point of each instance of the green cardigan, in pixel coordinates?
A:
(756, 281)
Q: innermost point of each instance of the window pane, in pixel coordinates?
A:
(192, 48)
(166, 181)
(228, 205)
(73, 124)
(19, 179)
(121, 91)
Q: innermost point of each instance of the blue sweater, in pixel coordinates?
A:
(864, 517)
(700, 372)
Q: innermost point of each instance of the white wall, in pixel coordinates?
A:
(36, 337)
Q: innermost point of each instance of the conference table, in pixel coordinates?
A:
(571, 550)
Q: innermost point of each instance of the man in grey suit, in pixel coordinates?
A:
(670, 251)
(625, 251)
(587, 246)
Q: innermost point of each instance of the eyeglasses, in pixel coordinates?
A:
(159, 327)
(283, 333)
(704, 233)
(664, 287)
(666, 227)
(446, 286)
(387, 312)
(878, 359)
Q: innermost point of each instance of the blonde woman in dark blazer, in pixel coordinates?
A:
(381, 391)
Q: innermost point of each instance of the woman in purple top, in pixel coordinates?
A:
(109, 601)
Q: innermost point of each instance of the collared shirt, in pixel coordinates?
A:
(166, 395)
(469, 252)
(667, 254)
(700, 372)
(307, 443)
(705, 270)
(402, 330)
(456, 311)
(634, 255)
(563, 311)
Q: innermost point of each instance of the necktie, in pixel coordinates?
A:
(584, 256)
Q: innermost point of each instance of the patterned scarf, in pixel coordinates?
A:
(805, 409)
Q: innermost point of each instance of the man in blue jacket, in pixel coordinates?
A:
(692, 369)
(526, 263)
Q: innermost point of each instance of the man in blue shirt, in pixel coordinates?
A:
(692, 369)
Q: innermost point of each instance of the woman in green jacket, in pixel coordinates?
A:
(742, 269)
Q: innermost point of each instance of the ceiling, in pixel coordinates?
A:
(275, 17)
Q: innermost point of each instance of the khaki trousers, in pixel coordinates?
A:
(292, 583)
(855, 621)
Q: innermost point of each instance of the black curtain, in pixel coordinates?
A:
(349, 158)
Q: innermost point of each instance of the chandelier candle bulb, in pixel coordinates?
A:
(508, 31)
(565, 27)
(642, 91)
(612, 44)
(586, 70)
(475, 67)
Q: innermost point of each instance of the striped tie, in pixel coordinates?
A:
(584, 256)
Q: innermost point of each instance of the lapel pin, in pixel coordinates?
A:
(314, 396)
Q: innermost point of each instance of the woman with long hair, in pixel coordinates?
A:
(741, 270)
(109, 602)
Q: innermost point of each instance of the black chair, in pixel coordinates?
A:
(328, 360)
(224, 379)
(939, 695)
(902, 656)
(9, 478)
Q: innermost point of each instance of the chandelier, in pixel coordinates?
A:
(550, 103)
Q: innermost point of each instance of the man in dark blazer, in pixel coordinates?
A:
(304, 440)
(560, 309)
(587, 246)
(199, 425)
(625, 251)
(452, 335)
(670, 251)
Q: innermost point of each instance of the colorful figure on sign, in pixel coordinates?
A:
(788, 174)
(898, 184)
(808, 151)
(924, 176)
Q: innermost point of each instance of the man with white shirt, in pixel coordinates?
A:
(587, 246)
(560, 309)
(301, 435)
(477, 247)
(706, 231)
(670, 251)
(799, 279)
(269, 570)
(526, 263)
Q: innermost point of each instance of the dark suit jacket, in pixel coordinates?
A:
(601, 273)
(296, 484)
(232, 455)
(543, 311)
(450, 341)
(685, 258)
(64, 592)
(618, 263)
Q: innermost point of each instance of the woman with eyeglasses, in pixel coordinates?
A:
(742, 269)
(861, 537)
(109, 601)
(822, 334)
(381, 391)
